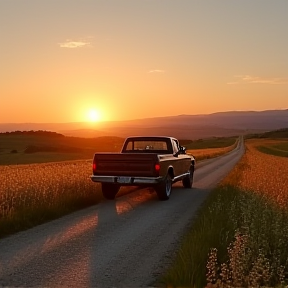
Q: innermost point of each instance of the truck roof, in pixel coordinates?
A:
(151, 137)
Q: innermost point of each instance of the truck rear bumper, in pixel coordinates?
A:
(127, 180)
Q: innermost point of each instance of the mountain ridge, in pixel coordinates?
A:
(218, 124)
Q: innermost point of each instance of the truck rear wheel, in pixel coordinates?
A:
(164, 189)
(188, 180)
(109, 191)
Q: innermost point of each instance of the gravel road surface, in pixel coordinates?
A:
(123, 243)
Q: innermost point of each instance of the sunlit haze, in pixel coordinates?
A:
(106, 60)
(93, 115)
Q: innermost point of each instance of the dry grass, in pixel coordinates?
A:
(258, 255)
(208, 153)
(39, 190)
(240, 235)
(267, 175)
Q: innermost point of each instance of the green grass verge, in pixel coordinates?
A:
(281, 146)
(52, 147)
(211, 228)
(275, 150)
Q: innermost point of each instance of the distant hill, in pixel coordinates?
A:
(221, 124)
(274, 134)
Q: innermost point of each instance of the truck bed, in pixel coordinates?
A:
(125, 164)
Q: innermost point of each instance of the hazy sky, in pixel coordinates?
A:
(131, 59)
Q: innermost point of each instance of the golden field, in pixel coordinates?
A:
(35, 184)
(207, 153)
(31, 193)
(267, 174)
(240, 235)
(258, 254)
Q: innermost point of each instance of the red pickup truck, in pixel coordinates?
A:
(156, 162)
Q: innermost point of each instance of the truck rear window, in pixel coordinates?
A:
(146, 146)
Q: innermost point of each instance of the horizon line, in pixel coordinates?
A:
(137, 119)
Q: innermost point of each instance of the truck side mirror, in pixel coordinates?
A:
(182, 150)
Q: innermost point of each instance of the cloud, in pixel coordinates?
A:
(74, 44)
(157, 71)
(248, 79)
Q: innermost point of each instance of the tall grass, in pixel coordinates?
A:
(240, 236)
(33, 194)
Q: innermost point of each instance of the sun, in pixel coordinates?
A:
(93, 115)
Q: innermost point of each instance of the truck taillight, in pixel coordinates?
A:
(157, 167)
(94, 166)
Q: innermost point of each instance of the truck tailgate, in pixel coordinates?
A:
(126, 164)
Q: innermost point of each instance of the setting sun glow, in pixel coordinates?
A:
(90, 64)
(93, 115)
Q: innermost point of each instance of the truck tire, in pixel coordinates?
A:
(109, 191)
(188, 180)
(164, 189)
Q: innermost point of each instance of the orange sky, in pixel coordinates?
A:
(137, 59)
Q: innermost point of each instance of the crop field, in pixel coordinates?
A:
(32, 194)
(240, 237)
(210, 148)
(207, 153)
(267, 174)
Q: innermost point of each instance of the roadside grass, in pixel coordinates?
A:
(240, 235)
(207, 153)
(36, 193)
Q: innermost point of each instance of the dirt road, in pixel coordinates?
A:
(123, 243)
